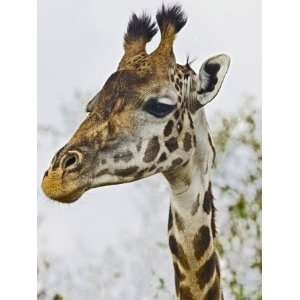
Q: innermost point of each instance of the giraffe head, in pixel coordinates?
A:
(142, 121)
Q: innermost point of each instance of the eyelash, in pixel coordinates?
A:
(157, 109)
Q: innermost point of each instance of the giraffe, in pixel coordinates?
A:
(147, 119)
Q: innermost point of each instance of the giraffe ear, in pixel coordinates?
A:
(211, 76)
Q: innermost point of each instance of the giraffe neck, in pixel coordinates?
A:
(191, 227)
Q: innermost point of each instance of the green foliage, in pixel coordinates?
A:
(238, 198)
(161, 287)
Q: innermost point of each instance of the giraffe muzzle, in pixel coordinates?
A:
(61, 182)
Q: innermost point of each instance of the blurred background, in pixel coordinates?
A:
(112, 243)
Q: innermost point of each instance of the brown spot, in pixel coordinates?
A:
(163, 157)
(169, 127)
(103, 161)
(179, 221)
(208, 206)
(208, 198)
(178, 251)
(126, 172)
(214, 292)
(177, 283)
(194, 139)
(159, 169)
(191, 121)
(185, 163)
(176, 114)
(151, 168)
(213, 220)
(176, 162)
(178, 273)
(187, 142)
(171, 144)
(206, 271)
(218, 268)
(195, 105)
(102, 172)
(123, 156)
(195, 205)
(178, 277)
(170, 222)
(180, 84)
(139, 145)
(201, 241)
(152, 150)
(212, 147)
(185, 293)
(139, 174)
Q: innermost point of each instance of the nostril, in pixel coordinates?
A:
(69, 161)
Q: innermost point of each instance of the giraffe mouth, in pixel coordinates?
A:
(65, 197)
(61, 191)
(71, 197)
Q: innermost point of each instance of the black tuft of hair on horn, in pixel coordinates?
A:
(171, 15)
(140, 27)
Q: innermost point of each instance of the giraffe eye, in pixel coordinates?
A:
(159, 107)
